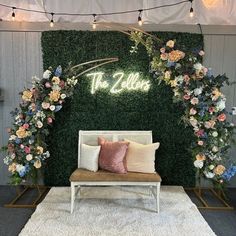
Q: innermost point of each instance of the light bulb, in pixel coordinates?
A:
(191, 14)
(51, 23)
(140, 22)
(13, 15)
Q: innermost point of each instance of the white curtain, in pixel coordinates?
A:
(209, 12)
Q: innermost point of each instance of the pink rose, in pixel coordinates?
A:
(21, 146)
(47, 85)
(221, 117)
(194, 101)
(27, 149)
(162, 50)
(192, 111)
(62, 84)
(60, 101)
(199, 133)
(25, 126)
(164, 56)
(211, 109)
(49, 120)
(186, 79)
(186, 97)
(200, 142)
(201, 53)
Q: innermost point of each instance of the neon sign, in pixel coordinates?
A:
(124, 82)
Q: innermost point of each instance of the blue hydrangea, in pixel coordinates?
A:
(58, 71)
(229, 173)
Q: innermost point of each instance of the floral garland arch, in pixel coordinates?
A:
(199, 91)
(192, 84)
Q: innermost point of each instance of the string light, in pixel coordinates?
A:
(191, 14)
(52, 22)
(94, 22)
(98, 14)
(13, 15)
(140, 22)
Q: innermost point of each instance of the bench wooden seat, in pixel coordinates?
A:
(105, 176)
(81, 177)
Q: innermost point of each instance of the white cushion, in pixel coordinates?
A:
(141, 158)
(89, 157)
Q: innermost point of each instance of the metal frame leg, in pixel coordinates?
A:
(72, 186)
(158, 197)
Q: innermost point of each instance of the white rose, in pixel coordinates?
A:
(29, 157)
(39, 124)
(197, 66)
(209, 175)
(193, 121)
(52, 107)
(198, 164)
(215, 134)
(220, 105)
(47, 74)
(197, 91)
(12, 137)
(19, 168)
(215, 149)
(63, 96)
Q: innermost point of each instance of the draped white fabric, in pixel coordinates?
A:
(209, 12)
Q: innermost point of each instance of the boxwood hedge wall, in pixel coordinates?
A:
(153, 110)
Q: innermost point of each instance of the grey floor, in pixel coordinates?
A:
(12, 220)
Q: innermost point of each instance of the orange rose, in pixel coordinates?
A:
(200, 157)
(221, 117)
(219, 170)
(176, 55)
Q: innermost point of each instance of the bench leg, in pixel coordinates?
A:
(158, 197)
(72, 186)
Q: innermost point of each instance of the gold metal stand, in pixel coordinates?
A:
(42, 190)
(218, 195)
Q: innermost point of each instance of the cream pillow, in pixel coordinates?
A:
(140, 157)
(89, 157)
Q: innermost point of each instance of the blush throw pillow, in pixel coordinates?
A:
(112, 156)
(89, 157)
(140, 157)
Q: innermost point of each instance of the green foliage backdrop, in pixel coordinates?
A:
(127, 111)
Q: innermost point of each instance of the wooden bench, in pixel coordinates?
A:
(81, 177)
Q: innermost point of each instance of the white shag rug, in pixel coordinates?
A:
(126, 211)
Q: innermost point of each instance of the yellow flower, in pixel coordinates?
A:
(170, 44)
(173, 83)
(12, 167)
(200, 157)
(176, 55)
(219, 170)
(39, 150)
(21, 132)
(37, 164)
(27, 95)
(55, 80)
(54, 95)
(216, 94)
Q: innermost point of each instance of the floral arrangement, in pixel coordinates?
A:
(200, 93)
(26, 148)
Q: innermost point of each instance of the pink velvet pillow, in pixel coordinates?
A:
(112, 156)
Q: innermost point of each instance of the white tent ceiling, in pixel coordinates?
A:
(206, 12)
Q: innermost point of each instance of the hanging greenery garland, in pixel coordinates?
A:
(200, 93)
